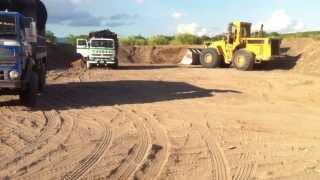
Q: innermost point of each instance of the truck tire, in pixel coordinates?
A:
(28, 96)
(114, 66)
(42, 77)
(243, 60)
(210, 58)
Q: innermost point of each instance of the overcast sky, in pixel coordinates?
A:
(149, 17)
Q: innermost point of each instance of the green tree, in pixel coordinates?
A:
(205, 38)
(159, 40)
(186, 39)
(134, 41)
(51, 37)
(72, 39)
(274, 34)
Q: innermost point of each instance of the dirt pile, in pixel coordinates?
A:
(64, 56)
(304, 54)
(152, 54)
(61, 56)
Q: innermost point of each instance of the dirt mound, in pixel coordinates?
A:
(304, 53)
(64, 56)
(61, 56)
(152, 54)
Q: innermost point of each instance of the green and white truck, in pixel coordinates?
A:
(100, 49)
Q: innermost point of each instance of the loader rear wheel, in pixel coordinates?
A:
(210, 58)
(243, 60)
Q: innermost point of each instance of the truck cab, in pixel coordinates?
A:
(19, 73)
(101, 49)
(98, 51)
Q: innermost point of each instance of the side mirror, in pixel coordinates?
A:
(31, 33)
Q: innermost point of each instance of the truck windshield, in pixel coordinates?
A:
(102, 43)
(7, 25)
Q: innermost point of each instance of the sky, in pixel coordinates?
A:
(169, 17)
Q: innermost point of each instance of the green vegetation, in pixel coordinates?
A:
(180, 39)
(184, 39)
(134, 41)
(160, 40)
(72, 39)
(51, 37)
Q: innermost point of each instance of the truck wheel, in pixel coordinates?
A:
(210, 58)
(28, 96)
(42, 77)
(243, 60)
(114, 66)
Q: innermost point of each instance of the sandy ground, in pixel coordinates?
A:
(165, 122)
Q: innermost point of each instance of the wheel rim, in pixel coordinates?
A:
(208, 58)
(241, 61)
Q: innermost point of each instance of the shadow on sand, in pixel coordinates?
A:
(284, 62)
(108, 93)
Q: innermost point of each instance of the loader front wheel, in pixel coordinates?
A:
(210, 58)
(243, 60)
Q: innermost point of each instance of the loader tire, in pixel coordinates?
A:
(28, 96)
(210, 58)
(243, 60)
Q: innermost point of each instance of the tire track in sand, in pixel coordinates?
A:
(158, 156)
(35, 153)
(93, 158)
(220, 168)
(48, 131)
(136, 155)
(86, 164)
(246, 168)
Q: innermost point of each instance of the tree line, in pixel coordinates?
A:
(180, 39)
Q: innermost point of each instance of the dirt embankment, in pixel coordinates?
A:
(61, 56)
(300, 55)
(305, 53)
(152, 54)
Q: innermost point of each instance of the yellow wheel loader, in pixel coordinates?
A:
(238, 48)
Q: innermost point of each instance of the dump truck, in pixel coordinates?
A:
(23, 54)
(239, 48)
(100, 49)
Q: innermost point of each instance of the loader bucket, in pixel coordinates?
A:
(192, 57)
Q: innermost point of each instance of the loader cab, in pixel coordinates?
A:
(237, 31)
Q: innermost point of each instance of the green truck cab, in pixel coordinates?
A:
(101, 49)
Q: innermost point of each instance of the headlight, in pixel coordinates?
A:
(14, 75)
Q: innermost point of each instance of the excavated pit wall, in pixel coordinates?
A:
(299, 55)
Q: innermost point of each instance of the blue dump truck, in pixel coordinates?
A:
(23, 55)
